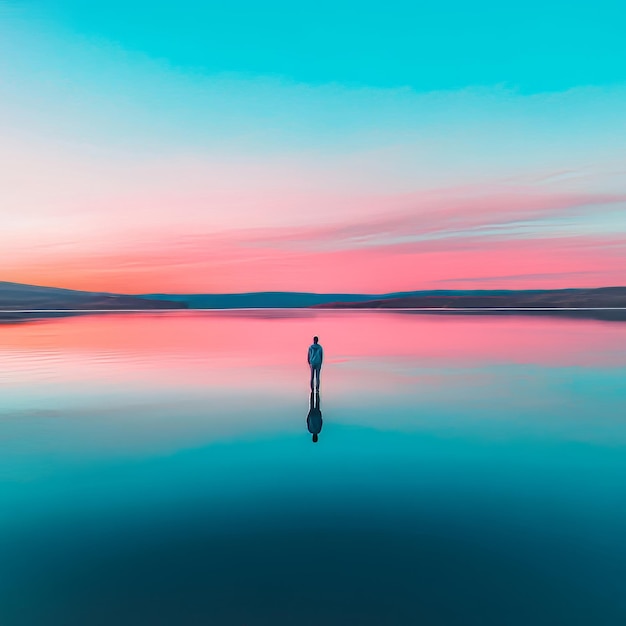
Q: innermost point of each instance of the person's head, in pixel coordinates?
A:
(315, 438)
(316, 339)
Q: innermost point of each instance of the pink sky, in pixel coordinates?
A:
(121, 173)
(508, 239)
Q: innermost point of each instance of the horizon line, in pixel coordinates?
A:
(316, 293)
(317, 308)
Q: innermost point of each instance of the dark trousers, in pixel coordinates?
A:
(315, 373)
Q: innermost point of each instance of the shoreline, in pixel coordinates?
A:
(608, 314)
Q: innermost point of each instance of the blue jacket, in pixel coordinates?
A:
(316, 355)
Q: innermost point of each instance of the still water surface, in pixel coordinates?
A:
(157, 469)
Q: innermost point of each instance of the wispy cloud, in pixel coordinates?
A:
(446, 215)
(140, 177)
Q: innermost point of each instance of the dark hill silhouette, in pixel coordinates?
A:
(550, 298)
(264, 299)
(291, 299)
(17, 296)
(20, 297)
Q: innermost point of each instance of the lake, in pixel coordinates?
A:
(156, 468)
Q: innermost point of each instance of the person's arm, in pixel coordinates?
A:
(321, 355)
(308, 357)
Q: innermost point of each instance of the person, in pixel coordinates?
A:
(315, 358)
(314, 418)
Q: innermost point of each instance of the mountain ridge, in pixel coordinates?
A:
(20, 296)
(15, 296)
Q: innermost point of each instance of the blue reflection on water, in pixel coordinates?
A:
(492, 495)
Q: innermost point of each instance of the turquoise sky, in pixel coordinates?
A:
(534, 46)
(204, 146)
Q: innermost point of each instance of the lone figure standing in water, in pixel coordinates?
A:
(315, 358)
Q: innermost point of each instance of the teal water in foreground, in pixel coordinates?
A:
(157, 469)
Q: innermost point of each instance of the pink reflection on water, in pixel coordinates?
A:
(170, 379)
(235, 348)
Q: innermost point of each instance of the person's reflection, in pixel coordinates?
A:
(314, 418)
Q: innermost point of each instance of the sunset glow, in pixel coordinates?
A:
(136, 159)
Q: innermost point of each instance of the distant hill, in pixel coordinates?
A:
(291, 299)
(549, 298)
(16, 296)
(261, 300)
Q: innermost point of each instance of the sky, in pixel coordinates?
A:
(197, 146)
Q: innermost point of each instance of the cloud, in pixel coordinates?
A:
(443, 215)
(514, 278)
(121, 173)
